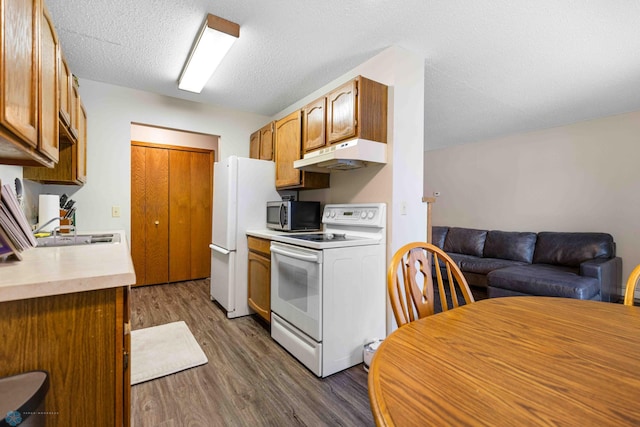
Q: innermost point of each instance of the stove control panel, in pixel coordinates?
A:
(356, 214)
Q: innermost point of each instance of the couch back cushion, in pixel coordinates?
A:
(512, 245)
(438, 234)
(466, 241)
(571, 249)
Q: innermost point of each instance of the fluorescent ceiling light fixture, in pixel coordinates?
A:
(212, 44)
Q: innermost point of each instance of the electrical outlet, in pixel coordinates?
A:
(115, 211)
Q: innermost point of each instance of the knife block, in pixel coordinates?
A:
(65, 223)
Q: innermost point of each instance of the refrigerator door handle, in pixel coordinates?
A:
(219, 249)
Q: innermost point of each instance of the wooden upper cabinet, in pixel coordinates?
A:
(287, 138)
(261, 143)
(19, 81)
(49, 106)
(254, 145)
(72, 164)
(313, 125)
(288, 146)
(357, 109)
(266, 142)
(68, 108)
(341, 112)
(80, 161)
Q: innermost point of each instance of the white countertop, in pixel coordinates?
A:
(66, 269)
(266, 233)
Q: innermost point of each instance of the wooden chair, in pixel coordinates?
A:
(410, 282)
(631, 285)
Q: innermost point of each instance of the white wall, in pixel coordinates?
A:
(401, 179)
(8, 174)
(111, 110)
(581, 177)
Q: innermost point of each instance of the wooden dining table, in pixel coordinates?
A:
(512, 361)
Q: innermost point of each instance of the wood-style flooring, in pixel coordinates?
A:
(249, 380)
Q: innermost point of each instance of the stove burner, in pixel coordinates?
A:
(327, 237)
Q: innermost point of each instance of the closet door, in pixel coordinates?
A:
(157, 216)
(138, 213)
(201, 199)
(150, 214)
(180, 216)
(171, 197)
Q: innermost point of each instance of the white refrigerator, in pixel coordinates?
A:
(241, 189)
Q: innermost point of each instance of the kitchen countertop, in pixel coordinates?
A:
(266, 233)
(67, 269)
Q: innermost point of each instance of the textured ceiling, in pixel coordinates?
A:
(492, 67)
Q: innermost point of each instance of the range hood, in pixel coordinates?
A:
(352, 154)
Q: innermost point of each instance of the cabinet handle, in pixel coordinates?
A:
(157, 223)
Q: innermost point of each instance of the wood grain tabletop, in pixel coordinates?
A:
(512, 361)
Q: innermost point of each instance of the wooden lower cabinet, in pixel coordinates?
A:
(259, 277)
(82, 340)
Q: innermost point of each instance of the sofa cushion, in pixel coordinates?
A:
(486, 265)
(466, 241)
(438, 234)
(459, 258)
(544, 280)
(516, 246)
(570, 249)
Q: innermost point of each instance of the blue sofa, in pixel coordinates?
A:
(559, 264)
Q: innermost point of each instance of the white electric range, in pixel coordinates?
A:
(328, 294)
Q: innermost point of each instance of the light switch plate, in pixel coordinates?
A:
(115, 211)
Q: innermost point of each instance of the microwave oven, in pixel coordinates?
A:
(293, 215)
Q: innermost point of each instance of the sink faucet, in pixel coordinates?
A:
(47, 223)
(55, 229)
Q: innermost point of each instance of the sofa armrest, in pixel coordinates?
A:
(608, 271)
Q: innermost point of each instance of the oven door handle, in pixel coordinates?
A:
(295, 255)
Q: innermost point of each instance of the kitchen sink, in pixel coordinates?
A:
(76, 240)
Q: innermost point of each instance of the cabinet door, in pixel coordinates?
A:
(19, 79)
(287, 150)
(313, 125)
(254, 145)
(66, 111)
(341, 112)
(48, 90)
(78, 338)
(259, 279)
(80, 162)
(266, 142)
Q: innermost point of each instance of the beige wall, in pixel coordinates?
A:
(580, 177)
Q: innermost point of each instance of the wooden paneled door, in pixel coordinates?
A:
(150, 214)
(190, 214)
(171, 194)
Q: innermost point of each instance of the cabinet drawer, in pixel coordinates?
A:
(259, 245)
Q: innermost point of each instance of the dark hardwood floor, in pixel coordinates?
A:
(249, 380)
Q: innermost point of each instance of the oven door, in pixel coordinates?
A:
(296, 287)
